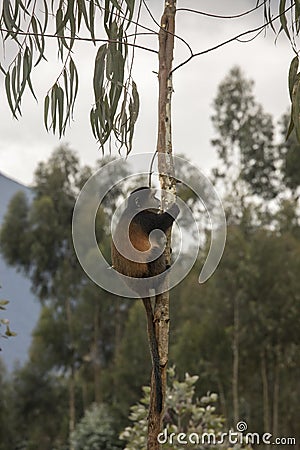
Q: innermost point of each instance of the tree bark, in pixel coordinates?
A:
(266, 401)
(222, 397)
(167, 182)
(276, 393)
(71, 381)
(265, 384)
(235, 368)
(96, 352)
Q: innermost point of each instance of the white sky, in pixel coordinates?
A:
(25, 142)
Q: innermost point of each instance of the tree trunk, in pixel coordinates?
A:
(266, 401)
(235, 368)
(72, 411)
(222, 397)
(97, 363)
(166, 172)
(72, 401)
(276, 393)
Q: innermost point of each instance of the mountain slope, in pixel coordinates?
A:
(23, 309)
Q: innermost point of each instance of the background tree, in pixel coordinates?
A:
(37, 239)
(245, 136)
(290, 155)
(95, 430)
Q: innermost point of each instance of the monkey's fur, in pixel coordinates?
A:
(139, 219)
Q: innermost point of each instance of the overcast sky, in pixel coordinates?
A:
(25, 142)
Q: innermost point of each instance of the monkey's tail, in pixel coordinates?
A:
(154, 352)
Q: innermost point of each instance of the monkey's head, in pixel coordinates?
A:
(143, 198)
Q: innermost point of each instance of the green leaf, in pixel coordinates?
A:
(53, 106)
(73, 84)
(290, 128)
(46, 110)
(282, 18)
(39, 38)
(9, 333)
(2, 69)
(92, 20)
(130, 7)
(59, 21)
(297, 15)
(293, 73)
(4, 302)
(296, 106)
(99, 72)
(82, 12)
(8, 94)
(60, 107)
(136, 101)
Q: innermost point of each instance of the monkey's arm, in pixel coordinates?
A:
(150, 220)
(167, 218)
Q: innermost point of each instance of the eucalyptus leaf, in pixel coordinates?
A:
(293, 73)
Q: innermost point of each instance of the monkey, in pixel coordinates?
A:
(137, 252)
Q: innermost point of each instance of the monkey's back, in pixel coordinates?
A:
(130, 238)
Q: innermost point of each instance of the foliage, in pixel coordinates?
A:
(8, 331)
(106, 345)
(132, 367)
(28, 24)
(38, 409)
(37, 237)
(245, 135)
(290, 154)
(184, 414)
(5, 409)
(95, 430)
(26, 27)
(258, 279)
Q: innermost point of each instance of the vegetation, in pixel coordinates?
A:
(185, 414)
(26, 27)
(239, 333)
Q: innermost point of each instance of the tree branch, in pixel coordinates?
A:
(218, 16)
(23, 33)
(167, 31)
(237, 37)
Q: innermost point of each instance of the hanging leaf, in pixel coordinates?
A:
(46, 111)
(283, 19)
(296, 106)
(292, 74)
(9, 333)
(113, 107)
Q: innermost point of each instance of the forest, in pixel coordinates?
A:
(234, 341)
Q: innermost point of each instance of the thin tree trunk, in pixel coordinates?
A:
(72, 411)
(97, 364)
(235, 368)
(276, 394)
(266, 401)
(165, 167)
(84, 395)
(72, 401)
(222, 397)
